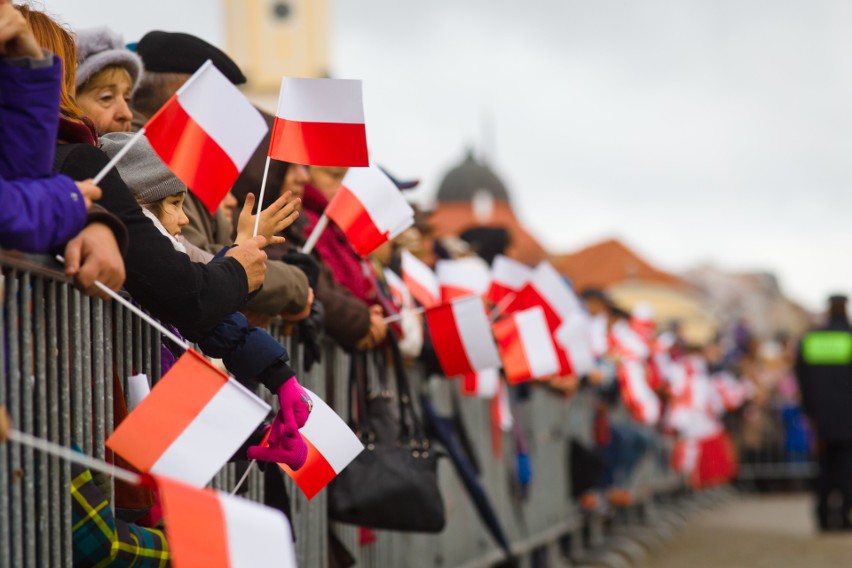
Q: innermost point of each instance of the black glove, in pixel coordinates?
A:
(310, 334)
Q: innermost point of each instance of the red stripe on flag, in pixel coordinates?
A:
(497, 292)
(469, 384)
(419, 292)
(446, 341)
(194, 157)
(450, 293)
(347, 211)
(512, 352)
(319, 143)
(528, 297)
(314, 475)
(197, 529)
(161, 418)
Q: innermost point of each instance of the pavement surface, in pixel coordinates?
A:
(754, 532)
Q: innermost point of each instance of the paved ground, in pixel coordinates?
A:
(754, 532)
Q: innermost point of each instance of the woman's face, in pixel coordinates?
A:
(295, 180)
(172, 216)
(105, 99)
(327, 179)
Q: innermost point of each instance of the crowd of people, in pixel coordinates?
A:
(70, 101)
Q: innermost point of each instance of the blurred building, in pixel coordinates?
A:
(272, 38)
(631, 279)
(472, 195)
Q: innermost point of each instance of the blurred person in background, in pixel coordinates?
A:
(824, 371)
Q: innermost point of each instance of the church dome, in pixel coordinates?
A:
(468, 179)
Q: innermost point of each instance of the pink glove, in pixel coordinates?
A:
(284, 443)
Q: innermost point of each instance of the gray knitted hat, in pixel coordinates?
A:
(101, 47)
(147, 177)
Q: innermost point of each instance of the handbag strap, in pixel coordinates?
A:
(411, 426)
(359, 419)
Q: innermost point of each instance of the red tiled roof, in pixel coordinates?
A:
(609, 262)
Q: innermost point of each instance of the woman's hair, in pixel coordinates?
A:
(105, 77)
(55, 38)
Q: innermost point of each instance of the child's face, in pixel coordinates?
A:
(173, 217)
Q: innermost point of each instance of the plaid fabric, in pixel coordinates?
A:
(102, 540)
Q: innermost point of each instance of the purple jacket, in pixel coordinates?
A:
(39, 210)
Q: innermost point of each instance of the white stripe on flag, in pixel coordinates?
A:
(538, 345)
(321, 100)
(330, 435)
(213, 436)
(416, 269)
(224, 113)
(510, 273)
(468, 274)
(383, 201)
(487, 382)
(397, 286)
(475, 333)
(256, 535)
(555, 289)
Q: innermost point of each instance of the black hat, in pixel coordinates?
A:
(596, 294)
(838, 299)
(401, 185)
(175, 52)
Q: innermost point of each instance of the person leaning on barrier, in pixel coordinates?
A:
(285, 289)
(42, 211)
(824, 371)
(193, 297)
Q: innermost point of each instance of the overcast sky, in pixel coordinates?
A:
(696, 130)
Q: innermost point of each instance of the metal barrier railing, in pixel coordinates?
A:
(61, 351)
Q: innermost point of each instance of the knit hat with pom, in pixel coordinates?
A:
(101, 47)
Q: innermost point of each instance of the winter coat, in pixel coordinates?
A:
(347, 319)
(285, 288)
(39, 210)
(334, 249)
(193, 297)
(824, 370)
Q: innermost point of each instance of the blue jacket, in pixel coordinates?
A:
(39, 210)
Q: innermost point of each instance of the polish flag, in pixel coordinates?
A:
(320, 122)
(331, 447)
(421, 281)
(574, 336)
(526, 346)
(507, 278)
(191, 423)
(626, 342)
(462, 278)
(370, 209)
(215, 530)
(638, 397)
(206, 134)
(461, 336)
(399, 291)
(481, 384)
(548, 289)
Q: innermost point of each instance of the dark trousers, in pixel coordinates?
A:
(833, 486)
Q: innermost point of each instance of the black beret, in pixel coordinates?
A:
(175, 52)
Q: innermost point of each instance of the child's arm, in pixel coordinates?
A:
(281, 214)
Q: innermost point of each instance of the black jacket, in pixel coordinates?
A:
(825, 381)
(191, 296)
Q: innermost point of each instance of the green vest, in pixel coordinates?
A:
(827, 348)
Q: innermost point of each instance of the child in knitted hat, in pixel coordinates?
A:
(248, 352)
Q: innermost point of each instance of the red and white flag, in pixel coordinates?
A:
(191, 423)
(320, 122)
(462, 278)
(461, 336)
(370, 209)
(206, 133)
(481, 384)
(210, 529)
(574, 336)
(636, 393)
(526, 346)
(548, 289)
(421, 281)
(399, 291)
(331, 447)
(507, 278)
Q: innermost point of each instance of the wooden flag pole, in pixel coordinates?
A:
(260, 197)
(244, 477)
(48, 447)
(315, 235)
(111, 164)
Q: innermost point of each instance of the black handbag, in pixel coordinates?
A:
(393, 483)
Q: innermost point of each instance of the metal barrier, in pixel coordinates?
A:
(61, 351)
